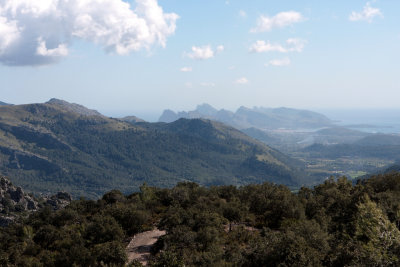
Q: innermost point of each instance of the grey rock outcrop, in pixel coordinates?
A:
(59, 201)
(14, 202)
(14, 199)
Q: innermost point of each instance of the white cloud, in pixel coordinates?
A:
(201, 52)
(279, 62)
(292, 45)
(262, 46)
(280, 20)
(242, 80)
(40, 32)
(204, 52)
(295, 44)
(368, 14)
(242, 14)
(220, 48)
(9, 33)
(207, 84)
(60, 51)
(186, 69)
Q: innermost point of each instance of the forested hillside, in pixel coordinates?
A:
(334, 224)
(58, 146)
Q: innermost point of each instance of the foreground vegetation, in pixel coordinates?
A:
(334, 224)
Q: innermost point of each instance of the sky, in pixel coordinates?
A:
(141, 57)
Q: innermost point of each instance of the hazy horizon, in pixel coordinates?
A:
(341, 116)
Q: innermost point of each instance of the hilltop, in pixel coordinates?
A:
(132, 119)
(76, 108)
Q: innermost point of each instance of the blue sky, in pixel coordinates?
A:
(342, 54)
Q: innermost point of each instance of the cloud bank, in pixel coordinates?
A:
(280, 20)
(39, 32)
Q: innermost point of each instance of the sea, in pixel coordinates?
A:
(368, 120)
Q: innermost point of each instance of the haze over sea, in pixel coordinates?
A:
(382, 120)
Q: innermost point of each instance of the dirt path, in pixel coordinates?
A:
(140, 245)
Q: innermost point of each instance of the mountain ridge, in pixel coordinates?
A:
(257, 117)
(51, 147)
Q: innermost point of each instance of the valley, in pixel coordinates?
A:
(325, 147)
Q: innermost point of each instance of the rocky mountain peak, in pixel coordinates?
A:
(206, 109)
(168, 116)
(82, 110)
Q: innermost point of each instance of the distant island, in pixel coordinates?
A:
(256, 117)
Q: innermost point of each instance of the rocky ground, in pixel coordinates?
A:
(15, 203)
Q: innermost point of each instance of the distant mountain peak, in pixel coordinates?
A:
(82, 110)
(56, 101)
(241, 108)
(257, 117)
(206, 109)
(168, 116)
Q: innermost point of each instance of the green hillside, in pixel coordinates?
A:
(52, 147)
(380, 140)
(391, 152)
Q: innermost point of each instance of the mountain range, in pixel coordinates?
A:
(257, 117)
(59, 146)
